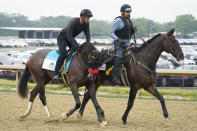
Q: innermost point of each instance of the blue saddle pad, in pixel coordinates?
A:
(51, 58)
(68, 62)
(52, 55)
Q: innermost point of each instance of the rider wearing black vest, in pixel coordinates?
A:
(127, 31)
(121, 31)
(67, 37)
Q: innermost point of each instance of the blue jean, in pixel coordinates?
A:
(118, 58)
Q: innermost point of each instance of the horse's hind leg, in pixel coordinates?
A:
(33, 95)
(154, 92)
(44, 102)
(42, 94)
(75, 93)
(38, 89)
(132, 95)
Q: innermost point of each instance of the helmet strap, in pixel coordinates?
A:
(82, 19)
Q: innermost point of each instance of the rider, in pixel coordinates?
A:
(67, 35)
(121, 32)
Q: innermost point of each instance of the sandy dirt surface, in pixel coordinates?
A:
(146, 115)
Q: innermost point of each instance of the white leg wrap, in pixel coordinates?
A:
(28, 111)
(47, 110)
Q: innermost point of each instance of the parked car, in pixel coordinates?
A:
(187, 67)
(162, 80)
(5, 59)
(176, 80)
(7, 74)
(21, 57)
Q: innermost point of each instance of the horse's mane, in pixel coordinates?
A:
(137, 49)
(87, 46)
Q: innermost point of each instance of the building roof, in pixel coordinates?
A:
(31, 28)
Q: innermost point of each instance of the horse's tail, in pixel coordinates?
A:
(22, 85)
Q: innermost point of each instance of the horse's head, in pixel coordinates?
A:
(94, 59)
(171, 45)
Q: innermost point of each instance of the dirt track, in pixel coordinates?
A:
(145, 115)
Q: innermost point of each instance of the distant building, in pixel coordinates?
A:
(34, 33)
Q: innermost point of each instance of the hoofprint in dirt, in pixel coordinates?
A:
(145, 115)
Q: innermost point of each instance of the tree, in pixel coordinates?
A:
(185, 24)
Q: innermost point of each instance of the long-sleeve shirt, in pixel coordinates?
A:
(117, 25)
(73, 29)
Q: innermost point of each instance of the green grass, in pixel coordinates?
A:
(109, 90)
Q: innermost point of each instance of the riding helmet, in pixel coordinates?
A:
(86, 13)
(125, 7)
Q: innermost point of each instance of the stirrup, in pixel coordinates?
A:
(116, 81)
(56, 77)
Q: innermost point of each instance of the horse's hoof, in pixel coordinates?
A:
(79, 116)
(124, 123)
(21, 118)
(104, 119)
(103, 123)
(64, 116)
(167, 119)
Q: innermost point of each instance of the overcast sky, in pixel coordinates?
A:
(157, 10)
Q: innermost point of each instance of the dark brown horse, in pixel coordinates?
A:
(140, 77)
(77, 77)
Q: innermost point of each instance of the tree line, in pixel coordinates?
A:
(184, 24)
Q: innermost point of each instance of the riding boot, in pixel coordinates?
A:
(58, 66)
(115, 71)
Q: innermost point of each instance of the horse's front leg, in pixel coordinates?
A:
(84, 102)
(75, 93)
(132, 94)
(92, 93)
(152, 89)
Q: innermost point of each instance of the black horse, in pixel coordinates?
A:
(77, 77)
(142, 74)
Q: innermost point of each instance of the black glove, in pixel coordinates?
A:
(75, 49)
(120, 41)
(134, 28)
(124, 46)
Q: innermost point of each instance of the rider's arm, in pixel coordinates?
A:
(70, 37)
(87, 33)
(116, 25)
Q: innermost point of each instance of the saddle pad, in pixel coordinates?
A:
(67, 65)
(50, 60)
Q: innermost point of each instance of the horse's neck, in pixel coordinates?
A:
(151, 53)
(84, 56)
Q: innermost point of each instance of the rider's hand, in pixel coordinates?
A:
(124, 46)
(77, 51)
(120, 41)
(134, 28)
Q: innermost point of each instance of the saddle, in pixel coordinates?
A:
(122, 75)
(65, 67)
(68, 53)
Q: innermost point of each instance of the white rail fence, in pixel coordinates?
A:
(159, 71)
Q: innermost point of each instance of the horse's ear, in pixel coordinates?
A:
(171, 32)
(102, 50)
